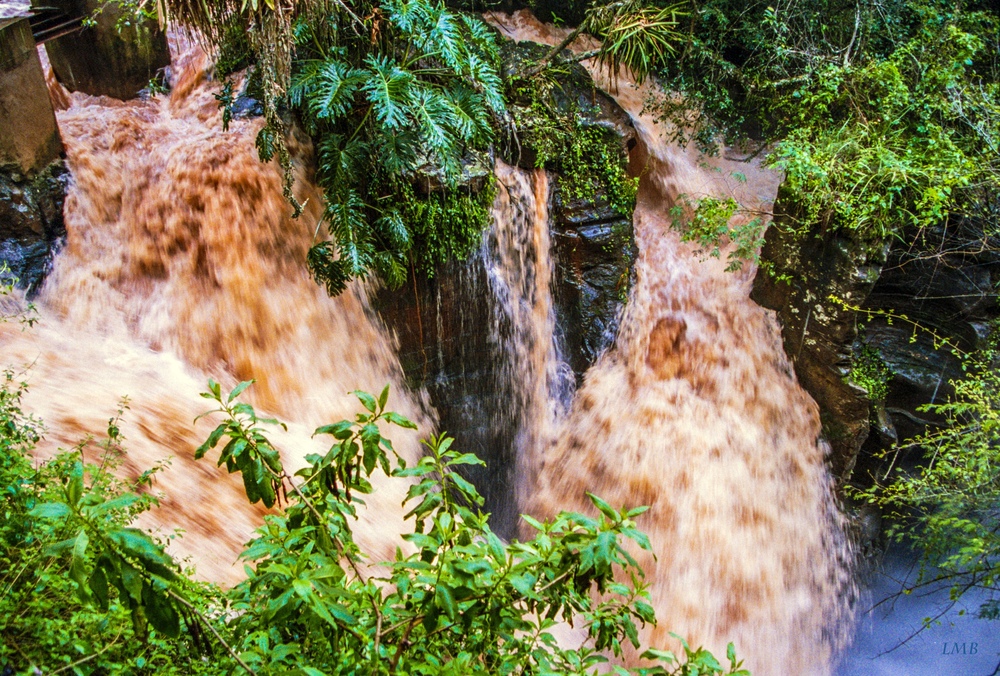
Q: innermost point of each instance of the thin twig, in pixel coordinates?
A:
(204, 620)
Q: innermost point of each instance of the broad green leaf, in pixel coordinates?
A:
(367, 400)
(161, 613)
(238, 390)
(397, 419)
(50, 510)
(211, 442)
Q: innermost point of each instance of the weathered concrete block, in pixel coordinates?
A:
(99, 60)
(29, 137)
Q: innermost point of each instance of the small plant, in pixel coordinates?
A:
(709, 222)
(869, 370)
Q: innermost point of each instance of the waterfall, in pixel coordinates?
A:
(182, 263)
(696, 413)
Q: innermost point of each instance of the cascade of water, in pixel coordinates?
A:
(697, 413)
(182, 262)
(519, 270)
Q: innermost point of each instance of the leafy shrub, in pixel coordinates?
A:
(88, 593)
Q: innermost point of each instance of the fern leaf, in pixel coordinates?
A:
(335, 85)
(397, 153)
(387, 88)
(434, 119)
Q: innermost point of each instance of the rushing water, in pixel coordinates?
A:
(182, 262)
(696, 412)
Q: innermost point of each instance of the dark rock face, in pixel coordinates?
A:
(31, 222)
(594, 250)
(944, 280)
(448, 328)
(796, 279)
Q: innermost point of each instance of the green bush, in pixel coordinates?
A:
(87, 593)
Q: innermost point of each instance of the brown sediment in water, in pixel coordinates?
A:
(697, 413)
(182, 263)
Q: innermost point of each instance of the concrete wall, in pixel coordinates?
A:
(29, 137)
(101, 61)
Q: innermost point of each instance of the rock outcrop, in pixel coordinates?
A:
(33, 178)
(31, 223)
(906, 296)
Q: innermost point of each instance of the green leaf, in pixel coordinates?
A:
(444, 600)
(77, 566)
(238, 390)
(50, 510)
(340, 430)
(211, 442)
(367, 400)
(606, 509)
(397, 419)
(98, 585)
(161, 613)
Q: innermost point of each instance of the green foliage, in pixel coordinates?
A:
(870, 371)
(881, 116)
(421, 98)
(462, 602)
(947, 507)
(558, 130)
(635, 35)
(86, 592)
(713, 223)
(82, 590)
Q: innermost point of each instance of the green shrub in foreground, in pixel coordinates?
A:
(85, 593)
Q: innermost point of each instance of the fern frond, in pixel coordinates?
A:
(340, 160)
(391, 267)
(304, 82)
(484, 75)
(410, 16)
(444, 38)
(327, 269)
(387, 89)
(397, 152)
(434, 119)
(396, 233)
(335, 85)
(469, 114)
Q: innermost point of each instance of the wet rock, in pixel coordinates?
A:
(444, 327)
(798, 276)
(944, 280)
(429, 177)
(31, 223)
(576, 94)
(594, 253)
(925, 291)
(246, 104)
